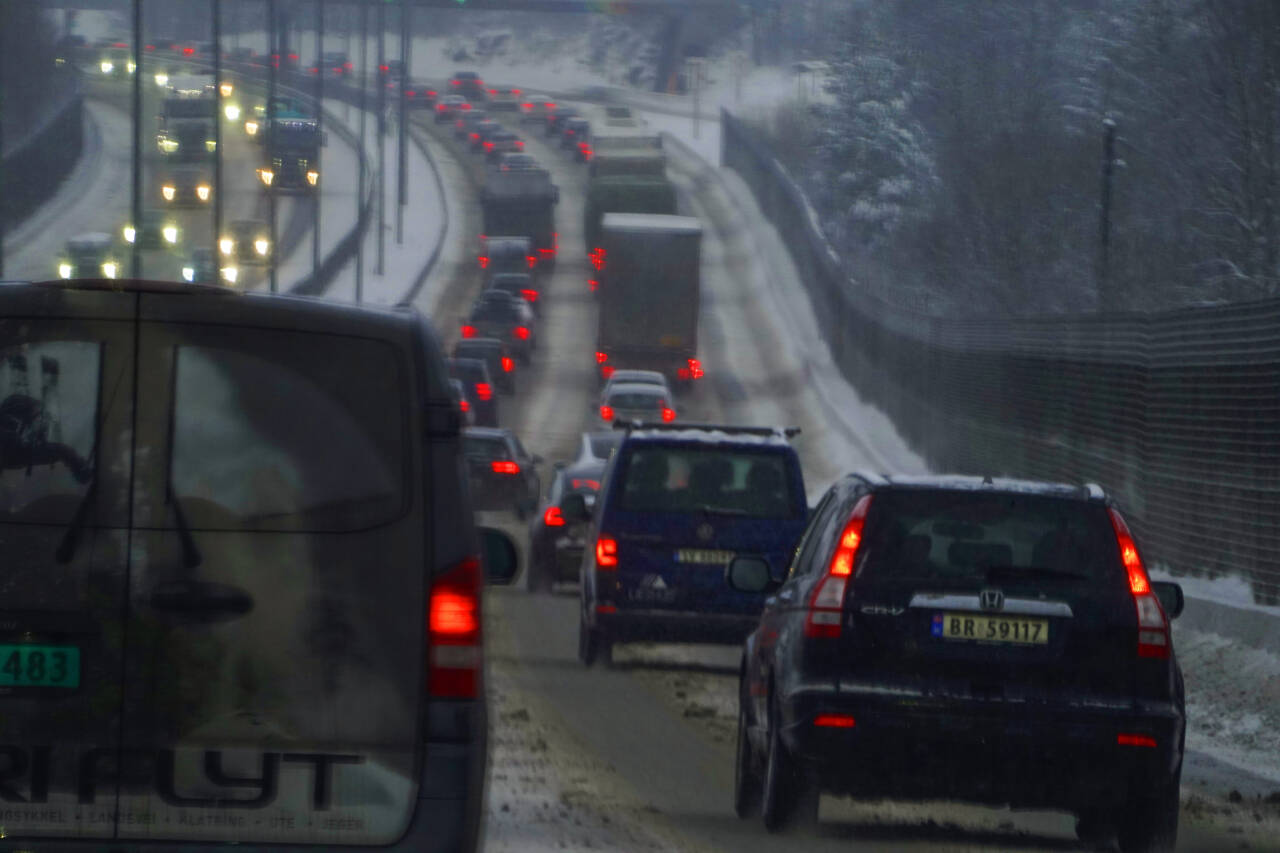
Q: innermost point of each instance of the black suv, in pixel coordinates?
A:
(991, 641)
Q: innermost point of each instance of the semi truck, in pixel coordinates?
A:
(292, 155)
(188, 116)
(521, 203)
(650, 292)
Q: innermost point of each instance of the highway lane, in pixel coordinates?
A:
(676, 765)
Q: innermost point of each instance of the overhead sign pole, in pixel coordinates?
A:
(402, 178)
(363, 83)
(135, 265)
(316, 193)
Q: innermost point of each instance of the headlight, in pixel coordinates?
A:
(109, 269)
(226, 89)
(312, 177)
(168, 192)
(162, 79)
(262, 246)
(267, 176)
(251, 127)
(203, 192)
(232, 112)
(170, 233)
(130, 67)
(106, 66)
(189, 273)
(230, 274)
(65, 270)
(168, 145)
(211, 145)
(130, 234)
(226, 245)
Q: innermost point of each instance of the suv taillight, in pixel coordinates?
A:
(826, 604)
(1153, 627)
(606, 553)
(453, 633)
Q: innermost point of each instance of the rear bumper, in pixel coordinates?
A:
(1020, 754)
(675, 626)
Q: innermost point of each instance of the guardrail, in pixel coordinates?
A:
(1176, 414)
(35, 166)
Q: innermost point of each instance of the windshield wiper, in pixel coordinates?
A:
(1014, 573)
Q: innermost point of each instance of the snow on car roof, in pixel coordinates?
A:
(648, 389)
(693, 434)
(959, 482)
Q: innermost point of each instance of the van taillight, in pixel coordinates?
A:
(453, 633)
(826, 604)
(1153, 627)
(606, 413)
(468, 331)
(484, 391)
(606, 552)
(464, 406)
(508, 364)
(505, 466)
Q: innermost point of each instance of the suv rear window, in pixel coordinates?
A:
(750, 483)
(987, 537)
(485, 447)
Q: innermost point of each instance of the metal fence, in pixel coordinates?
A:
(1176, 414)
(36, 163)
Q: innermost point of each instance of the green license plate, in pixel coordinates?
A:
(39, 666)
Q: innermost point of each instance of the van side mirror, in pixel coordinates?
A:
(501, 564)
(1171, 598)
(574, 508)
(749, 574)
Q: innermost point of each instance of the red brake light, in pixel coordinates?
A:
(606, 552)
(484, 261)
(602, 357)
(455, 83)
(409, 93)
(464, 406)
(668, 415)
(695, 368)
(606, 371)
(348, 65)
(592, 284)
(493, 91)
(521, 332)
(834, 721)
(439, 108)
(682, 373)
(552, 517)
(826, 604)
(593, 485)
(606, 413)
(293, 57)
(488, 146)
(468, 331)
(384, 68)
(508, 364)
(526, 106)
(529, 295)
(465, 106)
(597, 256)
(532, 259)
(484, 391)
(520, 144)
(1126, 739)
(1153, 627)
(515, 92)
(453, 632)
(505, 466)
(188, 51)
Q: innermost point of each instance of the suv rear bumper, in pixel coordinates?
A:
(675, 626)
(1020, 754)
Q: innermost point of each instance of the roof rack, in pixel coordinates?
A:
(781, 432)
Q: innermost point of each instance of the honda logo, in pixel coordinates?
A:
(991, 599)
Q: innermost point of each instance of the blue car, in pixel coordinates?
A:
(677, 504)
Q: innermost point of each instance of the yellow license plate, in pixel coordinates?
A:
(704, 556)
(990, 629)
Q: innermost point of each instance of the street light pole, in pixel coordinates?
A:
(1106, 298)
(135, 265)
(273, 62)
(402, 178)
(363, 82)
(381, 103)
(217, 133)
(316, 192)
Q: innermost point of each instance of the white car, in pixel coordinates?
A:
(636, 401)
(634, 377)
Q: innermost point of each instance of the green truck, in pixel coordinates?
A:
(650, 292)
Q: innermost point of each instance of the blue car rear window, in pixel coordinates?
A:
(752, 483)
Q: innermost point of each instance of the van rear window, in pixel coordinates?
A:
(289, 431)
(714, 480)
(986, 537)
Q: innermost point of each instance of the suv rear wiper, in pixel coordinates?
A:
(714, 510)
(1013, 573)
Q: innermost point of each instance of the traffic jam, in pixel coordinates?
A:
(888, 628)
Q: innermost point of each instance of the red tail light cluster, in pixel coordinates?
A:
(484, 261)
(606, 371)
(1126, 739)
(826, 604)
(508, 364)
(484, 391)
(190, 51)
(668, 414)
(468, 331)
(602, 357)
(521, 333)
(596, 256)
(520, 144)
(552, 517)
(1153, 626)
(464, 406)
(532, 260)
(593, 285)
(693, 370)
(606, 552)
(505, 466)
(488, 146)
(834, 721)
(529, 295)
(606, 413)
(453, 633)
